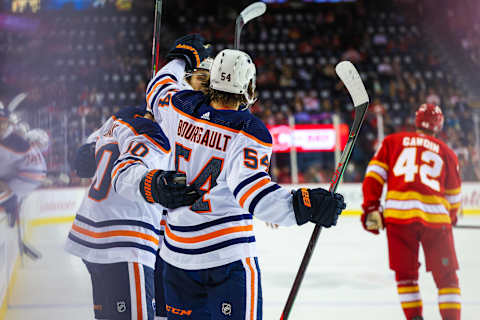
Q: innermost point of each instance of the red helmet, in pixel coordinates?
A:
(429, 117)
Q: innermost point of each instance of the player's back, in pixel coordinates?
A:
(109, 228)
(422, 176)
(225, 154)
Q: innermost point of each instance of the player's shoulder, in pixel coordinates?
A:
(254, 128)
(130, 112)
(134, 119)
(187, 101)
(15, 143)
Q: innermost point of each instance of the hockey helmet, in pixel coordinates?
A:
(233, 71)
(206, 64)
(429, 117)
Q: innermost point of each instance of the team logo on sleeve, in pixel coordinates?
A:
(121, 306)
(227, 309)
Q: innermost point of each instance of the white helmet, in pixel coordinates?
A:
(232, 71)
(40, 138)
(206, 64)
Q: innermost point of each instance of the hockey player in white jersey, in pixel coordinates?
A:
(117, 233)
(23, 168)
(211, 269)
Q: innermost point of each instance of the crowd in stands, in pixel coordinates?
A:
(80, 67)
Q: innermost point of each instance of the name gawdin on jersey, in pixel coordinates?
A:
(420, 142)
(208, 138)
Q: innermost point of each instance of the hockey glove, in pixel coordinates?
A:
(192, 49)
(169, 188)
(84, 164)
(11, 209)
(372, 219)
(318, 206)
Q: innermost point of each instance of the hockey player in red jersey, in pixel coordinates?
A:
(422, 200)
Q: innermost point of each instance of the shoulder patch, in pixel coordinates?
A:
(15, 143)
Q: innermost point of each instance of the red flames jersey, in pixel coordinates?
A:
(422, 176)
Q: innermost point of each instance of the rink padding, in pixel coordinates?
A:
(55, 206)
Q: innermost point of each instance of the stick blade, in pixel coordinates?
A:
(353, 82)
(254, 10)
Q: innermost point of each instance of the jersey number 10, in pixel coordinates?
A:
(429, 169)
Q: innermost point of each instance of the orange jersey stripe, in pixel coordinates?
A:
(116, 233)
(254, 188)
(252, 289)
(165, 81)
(208, 236)
(138, 291)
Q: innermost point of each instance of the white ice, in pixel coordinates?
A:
(348, 277)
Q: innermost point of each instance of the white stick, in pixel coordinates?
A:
(251, 12)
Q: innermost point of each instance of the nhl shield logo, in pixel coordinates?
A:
(121, 306)
(226, 309)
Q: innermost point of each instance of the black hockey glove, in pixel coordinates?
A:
(191, 48)
(317, 206)
(84, 163)
(11, 209)
(169, 188)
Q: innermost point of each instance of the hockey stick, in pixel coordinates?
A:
(24, 248)
(466, 227)
(156, 36)
(352, 81)
(253, 11)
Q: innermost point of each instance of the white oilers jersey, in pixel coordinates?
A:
(23, 167)
(114, 223)
(225, 154)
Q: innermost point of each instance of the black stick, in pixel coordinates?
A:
(156, 36)
(466, 227)
(360, 112)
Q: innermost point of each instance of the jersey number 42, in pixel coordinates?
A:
(429, 168)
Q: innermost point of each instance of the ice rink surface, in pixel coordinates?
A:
(348, 277)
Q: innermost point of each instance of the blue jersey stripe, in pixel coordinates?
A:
(109, 223)
(248, 180)
(260, 195)
(205, 225)
(119, 244)
(211, 248)
(119, 173)
(127, 158)
(159, 78)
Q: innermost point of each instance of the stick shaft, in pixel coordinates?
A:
(156, 36)
(352, 138)
(466, 227)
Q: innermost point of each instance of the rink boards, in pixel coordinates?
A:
(52, 206)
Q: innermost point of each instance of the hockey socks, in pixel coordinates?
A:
(448, 294)
(449, 303)
(410, 299)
